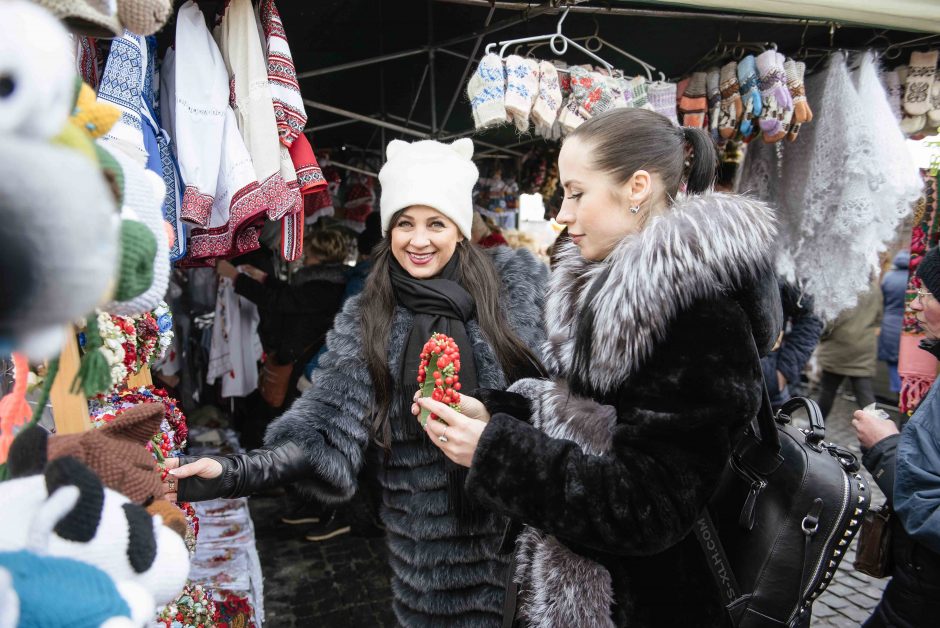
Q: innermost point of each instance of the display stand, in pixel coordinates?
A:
(69, 410)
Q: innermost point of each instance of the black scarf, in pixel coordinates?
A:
(439, 305)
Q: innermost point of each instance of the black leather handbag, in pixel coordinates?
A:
(786, 509)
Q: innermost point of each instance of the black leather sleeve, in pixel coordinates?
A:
(503, 402)
(244, 474)
(880, 462)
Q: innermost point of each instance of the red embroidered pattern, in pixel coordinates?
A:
(280, 200)
(246, 209)
(197, 207)
(292, 237)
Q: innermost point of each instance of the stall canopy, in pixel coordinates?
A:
(371, 70)
(913, 15)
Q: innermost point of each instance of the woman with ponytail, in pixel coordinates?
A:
(656, 313)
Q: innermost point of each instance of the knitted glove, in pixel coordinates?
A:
(487, 92)
(591, 91)
(662, 97)
(569, 118)
(731, 106)
(774, 94)
(920, 78)
(750, 94)
(693, 104)
(801, 112)
(712, 79)
(548, 102)
(522, 88)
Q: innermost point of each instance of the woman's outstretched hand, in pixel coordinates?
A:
(458, 436)
(206, 468)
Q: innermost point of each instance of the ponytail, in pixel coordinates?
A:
(703, 160)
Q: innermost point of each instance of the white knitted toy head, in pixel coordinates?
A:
(429, 173)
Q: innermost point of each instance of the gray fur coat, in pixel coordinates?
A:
(442, 577)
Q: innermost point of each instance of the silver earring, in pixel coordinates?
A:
(635, 209)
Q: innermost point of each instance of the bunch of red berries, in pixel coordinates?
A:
(439, 372)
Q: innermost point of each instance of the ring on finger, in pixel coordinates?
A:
(443, 437)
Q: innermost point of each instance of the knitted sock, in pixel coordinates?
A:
(892, 85)
(712, 79)
(920, 78)
(801, 112)
(548, 101)
(640, 93)
(626, 88)
(487, 92)
(693, 104)
(774, 93)
(750, 94)
(522, 88)
(731, 105)
(662, 97)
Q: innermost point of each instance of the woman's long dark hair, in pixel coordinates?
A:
(478, 276)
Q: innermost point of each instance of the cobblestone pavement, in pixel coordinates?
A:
(344, 582)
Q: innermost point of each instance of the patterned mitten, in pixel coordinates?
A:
(693, 103)
(731, 106)
(662, 97)
(487, 92)
(933, 116)
(591, 91)
(640, 93)
(920, 78)
(892, 85)
(569, 118)
(801, 111)
(626, 87)
(774, 93)
(522, 88)
(548, 101)
(750, 94)
(714, 100)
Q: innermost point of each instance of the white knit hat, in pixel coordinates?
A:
(429, 173)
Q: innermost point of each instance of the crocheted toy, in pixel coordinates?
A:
(101, 528)
(61, 237)
(116, 452)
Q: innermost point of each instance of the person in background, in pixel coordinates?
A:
(485, 233)
(802, 329)
(850, 350)
(294, 316)
(906, 467)
(893, 290)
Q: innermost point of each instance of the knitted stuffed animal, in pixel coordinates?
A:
(115, 452)
(59, 227)
(103, 528)
(49, 591)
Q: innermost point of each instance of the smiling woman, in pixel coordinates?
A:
(426, 277)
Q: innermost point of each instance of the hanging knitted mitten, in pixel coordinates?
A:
(587, 88)
(662, 98)
(640, 93)
(626, 89)
(548, 101)
(933, 116)
(920, 78)
(692, 104)
(487, 92)
(774, 93)
(801, 111)
(750, 95)
(712, 79)
(522, 88)
(569, 118)
(731, 106)
(892, 84)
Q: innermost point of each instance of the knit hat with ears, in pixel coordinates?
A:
(429, 173)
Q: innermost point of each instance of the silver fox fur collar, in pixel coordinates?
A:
(700, 247)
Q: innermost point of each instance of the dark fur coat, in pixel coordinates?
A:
(611, 480)
(442, 576)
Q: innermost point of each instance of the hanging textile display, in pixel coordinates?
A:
(236, 347)
(849, 180)
(918, 368)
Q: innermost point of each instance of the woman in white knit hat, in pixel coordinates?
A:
(427, 277)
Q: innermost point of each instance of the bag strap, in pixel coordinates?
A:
(717, 560)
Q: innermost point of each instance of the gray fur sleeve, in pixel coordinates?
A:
(329, 421)
(524, 280)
